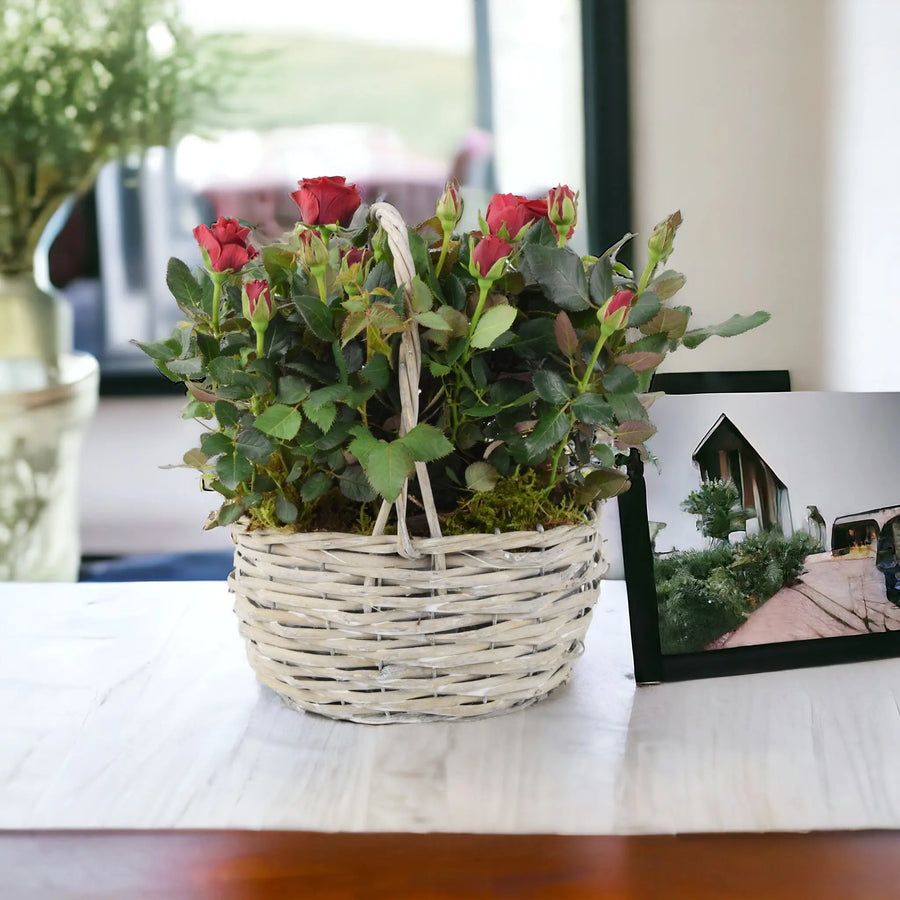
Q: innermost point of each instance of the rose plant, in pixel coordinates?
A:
(536, 362)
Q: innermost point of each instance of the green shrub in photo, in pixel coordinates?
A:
(718, 507)
(704, 594)
(698, 598)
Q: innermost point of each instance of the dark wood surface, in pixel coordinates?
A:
(243, 864)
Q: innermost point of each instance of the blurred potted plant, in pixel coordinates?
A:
(80, 84)
(488, 387)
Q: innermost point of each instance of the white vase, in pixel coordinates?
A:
(41, 433)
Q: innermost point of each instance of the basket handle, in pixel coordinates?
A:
(409, 369)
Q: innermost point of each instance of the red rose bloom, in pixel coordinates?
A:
(327, 200)
(489, 251)
(226, 244)
(512, 213)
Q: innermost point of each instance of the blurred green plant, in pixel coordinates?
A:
(82, 83)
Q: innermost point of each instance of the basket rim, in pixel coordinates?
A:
(239, 527)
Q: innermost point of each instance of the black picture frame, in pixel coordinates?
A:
(653, 666)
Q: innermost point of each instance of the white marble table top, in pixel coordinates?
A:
(132, 706)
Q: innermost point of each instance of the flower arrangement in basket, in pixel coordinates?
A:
(487, 387)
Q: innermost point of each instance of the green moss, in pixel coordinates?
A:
(517, 503)
(330, 512)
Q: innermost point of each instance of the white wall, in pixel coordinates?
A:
(863, 293)
(729, 110)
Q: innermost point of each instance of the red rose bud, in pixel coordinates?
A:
(313, 252)
(562, 211)
(450, 207)
(327, 200)
(663, 237)
(508, 215)
(488, 257)
(354, 263)
(354, 255)
(614, 312)
(225, 244)
(256, 301)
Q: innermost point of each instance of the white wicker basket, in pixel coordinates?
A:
(377, 628)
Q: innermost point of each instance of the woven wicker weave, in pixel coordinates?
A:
(377, 628)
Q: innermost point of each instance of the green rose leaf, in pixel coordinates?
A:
(457, 322)
(189, 368)
(363, 443)
(551, 428)
(560, 273)
(552, 387)
(627, 406)
(605, 455)
(292, 389)
(592, 409)
(566, 336)
(633, 433)
(729, 328)
(314, 487)
(422, 301)
(235, 391)
(387, 468)
(602, 286)
(536, 339)
(318, 317)
(323, 416)
(279, 421)
(223, 369)
(227, 413)
(433, 320)
(641, 361)
(326, 394)
(437, 369)
(667, 284)
(355, 486)
(254, 445)
(232, 469)
(620, 380)
(540, 233)
(652, 343)
(481, 476)
(195, 459)
(285, 510)
(644, 309)
(186, 290)
(426, 443)
(492, 324)
(230, 513)
(670, 322)
(213, 443)
(377, 372)
(162, 351)
(601, 484)
(196, 409)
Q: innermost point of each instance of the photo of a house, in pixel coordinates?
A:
(775, 517)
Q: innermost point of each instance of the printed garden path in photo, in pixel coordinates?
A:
(834, 597)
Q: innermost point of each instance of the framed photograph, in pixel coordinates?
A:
(764, 533)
